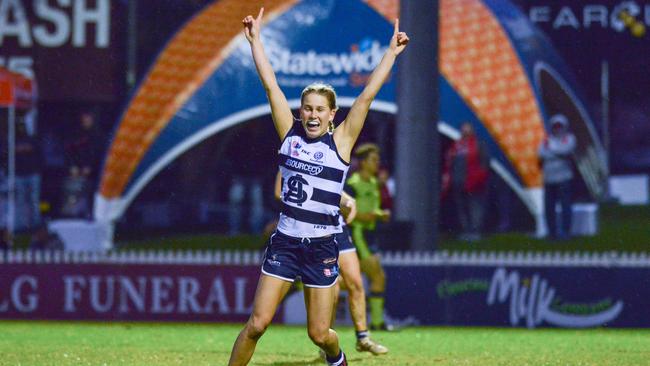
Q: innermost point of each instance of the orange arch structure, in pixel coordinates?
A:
(478, 59)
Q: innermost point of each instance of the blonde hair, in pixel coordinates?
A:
(363, 150)
(323, 89)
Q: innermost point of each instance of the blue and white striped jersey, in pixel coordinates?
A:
(313, 175)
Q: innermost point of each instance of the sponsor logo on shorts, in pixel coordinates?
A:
(273, 261)
(330, 272)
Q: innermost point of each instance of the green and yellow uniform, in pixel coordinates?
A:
(368, 197)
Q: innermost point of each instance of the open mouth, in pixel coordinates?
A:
(313, 124)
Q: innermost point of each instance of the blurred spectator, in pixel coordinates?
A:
(386, 188)
(239, 204)
(86, 146)
(501, 198)
(84, 151)
(28, 179)
(43, 239)
(52, 148)
(75, 193)
(246, 199)
(466, 175)
(555, 154)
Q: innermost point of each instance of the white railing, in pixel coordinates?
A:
(188, 257)
(427, 258)
(522, 259)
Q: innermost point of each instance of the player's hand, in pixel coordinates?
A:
(384, 215)
(252, 26)
(349, 210)
(399, 40)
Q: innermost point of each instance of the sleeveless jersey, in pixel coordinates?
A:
(313, 175)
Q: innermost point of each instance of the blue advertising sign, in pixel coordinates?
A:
(343, 56)
(571, 297)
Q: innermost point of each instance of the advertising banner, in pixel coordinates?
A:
(604, 43)
(567, 297)
(179, 104)
(456, 295)
(74, 49)
(152, 292)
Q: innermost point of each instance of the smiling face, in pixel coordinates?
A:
(316, 114)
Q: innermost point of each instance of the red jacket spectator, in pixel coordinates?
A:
(466, 164)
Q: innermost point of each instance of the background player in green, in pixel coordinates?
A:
(364, 187)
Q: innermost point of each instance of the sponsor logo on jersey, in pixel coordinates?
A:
(306, 167)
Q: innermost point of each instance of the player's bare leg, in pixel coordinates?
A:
(351, 273)
(270, 292)
(320, 305)
(336, 291)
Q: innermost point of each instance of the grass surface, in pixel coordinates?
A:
(67, 343)
(621, 228)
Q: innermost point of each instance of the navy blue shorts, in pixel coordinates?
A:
(314, 260)
(344, 240)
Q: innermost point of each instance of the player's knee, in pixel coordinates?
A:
(319, 336)
(256, 327)
(355, 285)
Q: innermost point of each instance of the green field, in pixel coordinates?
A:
(67, 343)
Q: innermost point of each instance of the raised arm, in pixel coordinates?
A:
(346, 134)
(280, 111)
